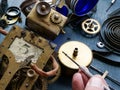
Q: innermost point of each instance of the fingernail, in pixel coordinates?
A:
(95, 82)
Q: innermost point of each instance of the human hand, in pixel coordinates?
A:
(96, 83)
(81, 81)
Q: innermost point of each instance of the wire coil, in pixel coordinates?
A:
(110, 34)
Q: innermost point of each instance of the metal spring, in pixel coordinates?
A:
(110, 34)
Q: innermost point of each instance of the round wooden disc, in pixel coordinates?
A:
(83, 58)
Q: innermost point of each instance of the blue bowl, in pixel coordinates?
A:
(82, 7)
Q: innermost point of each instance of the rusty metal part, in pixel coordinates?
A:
(20, 76)
(13, 66)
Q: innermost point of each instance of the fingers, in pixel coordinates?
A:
(77, 82)
(96, 83)
(85, 78)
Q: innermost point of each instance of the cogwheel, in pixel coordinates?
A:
(56, 18)
(40, 84)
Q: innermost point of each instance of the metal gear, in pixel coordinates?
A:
(17, 79)
(20, 75)
(10, 70)
(56, 18)
(40, 84)
(91, 26)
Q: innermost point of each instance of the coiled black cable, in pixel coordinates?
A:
(110, 34)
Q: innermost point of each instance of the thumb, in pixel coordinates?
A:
(96, 83)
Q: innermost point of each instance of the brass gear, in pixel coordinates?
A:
(91, 26)
(55, 18)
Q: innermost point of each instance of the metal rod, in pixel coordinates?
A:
(112, 2)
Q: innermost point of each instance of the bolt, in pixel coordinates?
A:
(75, 52)
(43, 7)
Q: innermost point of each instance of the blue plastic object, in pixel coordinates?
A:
(64, 10)
(82, 7)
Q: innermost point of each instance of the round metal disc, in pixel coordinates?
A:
(84, 56)
(11, 20)
(43, 8)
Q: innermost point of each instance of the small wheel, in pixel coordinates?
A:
(91, 26)
(55, 18)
